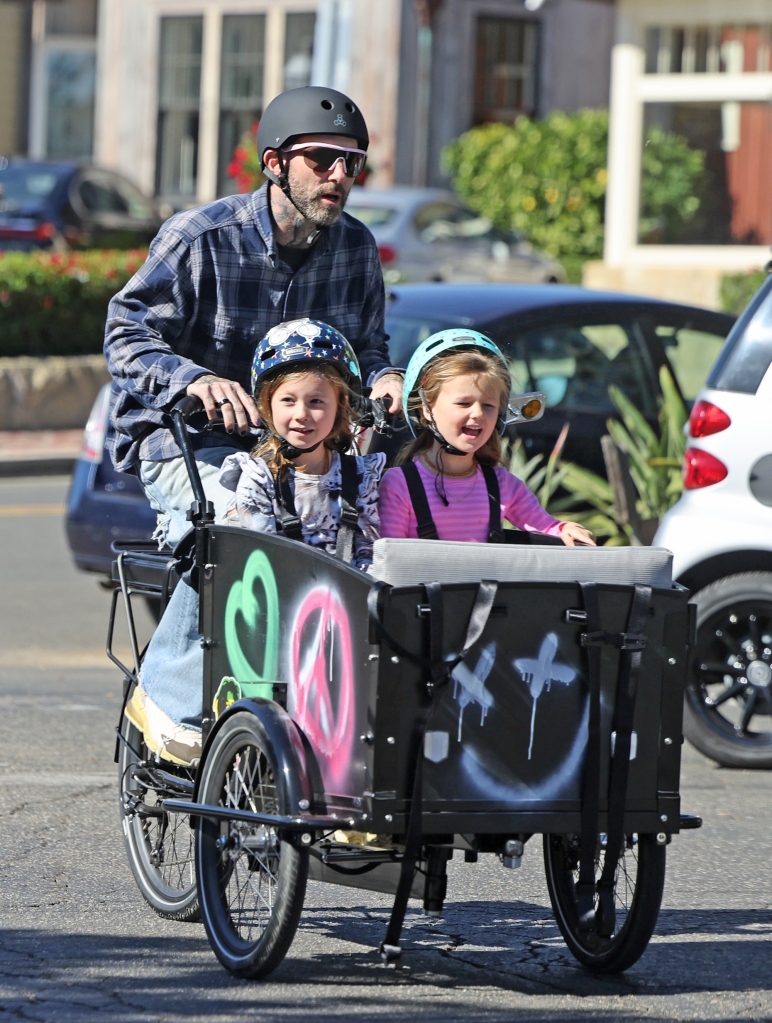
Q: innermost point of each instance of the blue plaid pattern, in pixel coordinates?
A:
(212, 286)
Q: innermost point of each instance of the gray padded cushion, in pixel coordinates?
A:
(408, 562)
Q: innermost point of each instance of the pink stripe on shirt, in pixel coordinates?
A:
(467, 515)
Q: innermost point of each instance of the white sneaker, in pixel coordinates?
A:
(172, 742)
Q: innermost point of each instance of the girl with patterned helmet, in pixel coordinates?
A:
(299, 480)
(450, 483)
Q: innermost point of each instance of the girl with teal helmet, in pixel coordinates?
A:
(449, 482)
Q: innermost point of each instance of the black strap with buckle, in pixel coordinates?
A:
(438, 671)
(631, 645)
(289, 520)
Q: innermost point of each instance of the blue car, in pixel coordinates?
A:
(570, 343)
(60, 205)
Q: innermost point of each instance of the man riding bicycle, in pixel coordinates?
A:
(217, 279)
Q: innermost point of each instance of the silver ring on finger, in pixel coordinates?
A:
(223, 401)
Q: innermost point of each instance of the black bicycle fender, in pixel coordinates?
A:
(286, 744)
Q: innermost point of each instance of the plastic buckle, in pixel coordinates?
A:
(621, 640)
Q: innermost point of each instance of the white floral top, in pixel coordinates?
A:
(317, 500)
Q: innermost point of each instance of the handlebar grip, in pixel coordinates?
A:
(187, 406)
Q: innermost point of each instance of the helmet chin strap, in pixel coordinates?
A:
(445, 445)
(290, 452)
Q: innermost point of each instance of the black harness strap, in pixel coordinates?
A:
(585, 889)
(631, 643)
(425, 526)
(495, 532)
(289, 519)
(424, 522)
(349, 516)
(624, 713)
(439, 671)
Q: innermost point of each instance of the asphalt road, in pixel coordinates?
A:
(77, 943)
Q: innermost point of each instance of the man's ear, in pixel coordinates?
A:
(273, 162)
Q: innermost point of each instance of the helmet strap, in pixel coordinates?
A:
(290, 452)
(283, 182)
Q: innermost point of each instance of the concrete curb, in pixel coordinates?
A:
(43, 465)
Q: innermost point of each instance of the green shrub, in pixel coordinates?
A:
(547, 180)
(56, 303)
(738, 289)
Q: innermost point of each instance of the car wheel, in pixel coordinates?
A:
(728, 706)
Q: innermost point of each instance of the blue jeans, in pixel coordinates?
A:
(172, 672)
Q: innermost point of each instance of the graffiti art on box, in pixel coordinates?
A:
(541, 671)
(252, 620)
(322, 681)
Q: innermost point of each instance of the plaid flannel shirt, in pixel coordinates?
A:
(212, 286)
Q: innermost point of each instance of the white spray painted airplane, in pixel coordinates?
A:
(469, 686)
(541, 671)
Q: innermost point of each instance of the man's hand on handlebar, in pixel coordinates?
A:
(226, 399)
(389, 386)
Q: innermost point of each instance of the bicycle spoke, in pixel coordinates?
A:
(750, 704)
(717, 668)
(734, 690)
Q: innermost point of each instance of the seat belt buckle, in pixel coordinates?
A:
(632, 641)
(594, 638)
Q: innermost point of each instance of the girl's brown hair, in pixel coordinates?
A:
(486, 369)
(340, 437)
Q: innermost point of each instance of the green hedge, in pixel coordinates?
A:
(738, 289)
(56, 303)
(547, 181)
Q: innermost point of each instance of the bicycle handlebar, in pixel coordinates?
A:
(180, 412)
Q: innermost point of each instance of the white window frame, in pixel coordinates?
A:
(631, 88)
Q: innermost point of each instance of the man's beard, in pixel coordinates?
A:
(308, 201)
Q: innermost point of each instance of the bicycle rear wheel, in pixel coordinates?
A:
(159, 844)
(638, 886)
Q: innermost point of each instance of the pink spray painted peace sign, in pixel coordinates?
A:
(323, 681)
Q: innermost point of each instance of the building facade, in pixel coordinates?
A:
(162, 90)
(701, 70)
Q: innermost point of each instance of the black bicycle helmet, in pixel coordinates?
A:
(312, 110)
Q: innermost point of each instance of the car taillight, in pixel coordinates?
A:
(96, 427)
(387, 253)
(701, 469)
(44, 231)
(707, 418)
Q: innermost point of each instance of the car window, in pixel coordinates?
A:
(690, 353)
(372, 216)
(574, 365)
(747, 353)
(25, 189)
(444, 221)
(406, 333)
(102, 193)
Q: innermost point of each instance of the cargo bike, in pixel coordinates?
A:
(362, 729)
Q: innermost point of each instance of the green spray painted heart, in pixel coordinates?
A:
(243, 601)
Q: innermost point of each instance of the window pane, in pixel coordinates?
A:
(241, 86)
(71, 83)
(505, 72)
(706, 173)
(748, 351)
(372, 216)
(406, 333)
(179, 91)
(71, 18)
(298, 50)
(690, 353)
(576, 365)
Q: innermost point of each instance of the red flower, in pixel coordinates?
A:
(47, 301)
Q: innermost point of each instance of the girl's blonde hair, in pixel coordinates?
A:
(486, 369)
(340, 437)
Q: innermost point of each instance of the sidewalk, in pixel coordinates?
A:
(38, 452)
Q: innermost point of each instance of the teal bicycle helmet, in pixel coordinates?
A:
(523, 408)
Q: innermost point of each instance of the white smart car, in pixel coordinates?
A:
(720, 533)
